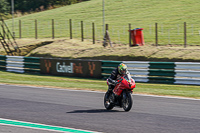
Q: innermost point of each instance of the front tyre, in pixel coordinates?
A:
(108, 103)
(127, 101)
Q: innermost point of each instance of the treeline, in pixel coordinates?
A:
(4, 7)
(33, 5)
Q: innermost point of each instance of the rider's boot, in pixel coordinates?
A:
(110, 90)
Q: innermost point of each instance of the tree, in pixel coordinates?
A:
(4, 7)
(33, 5)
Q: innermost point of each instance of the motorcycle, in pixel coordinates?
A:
(121, 94)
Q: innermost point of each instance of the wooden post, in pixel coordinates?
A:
(156, 33)
(36, 29)
(53, 29)
(82, 34)
(93, 33)
(70, 28)
(20, 30)
(185, 35)
(130, 35)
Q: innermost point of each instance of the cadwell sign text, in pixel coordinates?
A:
(63, 68)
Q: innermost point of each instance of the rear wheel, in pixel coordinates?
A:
(108, 101)
(127, 101)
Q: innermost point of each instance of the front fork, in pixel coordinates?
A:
(124, 93)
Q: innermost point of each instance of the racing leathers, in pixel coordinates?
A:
(112, 80)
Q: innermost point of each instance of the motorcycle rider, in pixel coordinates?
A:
(115, 75)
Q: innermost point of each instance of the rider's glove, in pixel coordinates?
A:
(118, 81)
(115, 83)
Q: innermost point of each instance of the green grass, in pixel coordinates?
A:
(96, 85)
(170, 16)
(73, 48)
(51, 81)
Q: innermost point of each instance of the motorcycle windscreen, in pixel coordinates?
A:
(131, 81)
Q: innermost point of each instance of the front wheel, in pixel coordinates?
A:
(127, 101)
(108, 101)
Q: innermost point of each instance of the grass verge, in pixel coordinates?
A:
(73, 49)
(96, 85)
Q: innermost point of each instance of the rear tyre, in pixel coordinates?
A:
(127, 101)
(108, 101)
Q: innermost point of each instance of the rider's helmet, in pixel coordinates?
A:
(122, 68)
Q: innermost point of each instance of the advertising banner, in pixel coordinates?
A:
(76, 68)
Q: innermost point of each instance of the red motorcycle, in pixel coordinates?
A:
(121, 94)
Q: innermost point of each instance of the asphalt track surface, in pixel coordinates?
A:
(85, 110)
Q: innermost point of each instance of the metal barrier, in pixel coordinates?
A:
(141, 71)
(2, 62)
(165, 72)
(20, 64)
(187, 73)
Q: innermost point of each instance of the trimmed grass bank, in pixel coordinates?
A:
(96, 85)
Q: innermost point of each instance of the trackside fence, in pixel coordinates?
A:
(154, 33)
(20, 64)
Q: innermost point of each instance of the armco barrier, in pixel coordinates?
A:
(187, 73)
(2, 62)
(165, 72)
(20, 64)
(141, 71)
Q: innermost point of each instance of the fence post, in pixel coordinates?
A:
(82, 36)
(93, 33)
(156, 33)
(20, 32)
(70, 28)
(185, 35)
(130, 35)
(36, 29)
(52, 28)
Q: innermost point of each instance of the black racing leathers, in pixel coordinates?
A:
(112, 80)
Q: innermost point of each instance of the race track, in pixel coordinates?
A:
(85, 110)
